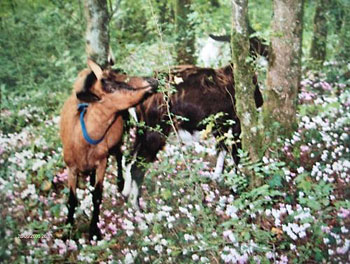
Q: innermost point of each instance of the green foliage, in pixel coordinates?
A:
(41, 61)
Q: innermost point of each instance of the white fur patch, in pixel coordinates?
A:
(127, 183)
(219, 165)
(128, 177)
(134, 194)
(178, 80)
(188, 138)
(213, 53)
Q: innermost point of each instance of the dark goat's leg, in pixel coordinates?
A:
(236, 131)
(119, 157)
(93, 177)
(97, 199)
(72, 203)
(116, 151)
(235, 147)
(138, 173)
(145, 150)
(72, 200)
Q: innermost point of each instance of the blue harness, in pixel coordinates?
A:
(82, 109)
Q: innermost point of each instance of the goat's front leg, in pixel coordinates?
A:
(133, 179)
(146, 151)
(97, 199)
(127, 183)
(72, 200)
(137, 172)
(116, 151)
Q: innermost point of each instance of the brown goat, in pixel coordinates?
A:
(109, 93)
(202, 92)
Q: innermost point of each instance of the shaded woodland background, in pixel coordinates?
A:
(298, 213)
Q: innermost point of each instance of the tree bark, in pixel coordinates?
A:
(185, 41)
(97, 35)
(344, 42)
(251, 135)
(319, 39)
(284, 71)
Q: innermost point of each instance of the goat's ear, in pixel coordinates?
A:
(96, 69)
(86, 96)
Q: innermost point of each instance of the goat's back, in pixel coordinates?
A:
(201, 93)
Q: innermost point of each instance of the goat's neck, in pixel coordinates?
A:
(99, 118)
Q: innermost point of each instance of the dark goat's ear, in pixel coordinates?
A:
(85, 94)
(87, 97)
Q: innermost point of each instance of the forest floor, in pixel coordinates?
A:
(300, 215)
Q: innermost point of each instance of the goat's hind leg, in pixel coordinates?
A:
(222, 150)
(220, 163)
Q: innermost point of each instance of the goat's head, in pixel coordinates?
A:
(95, 84)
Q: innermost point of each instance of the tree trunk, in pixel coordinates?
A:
(97, 35)
(251, 135)
(284, 73)
(344, 42)
(319, 39)
(185, 33)
(163, 13)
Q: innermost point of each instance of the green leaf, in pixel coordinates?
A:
(275, 181)
(319, 255)
(166, 194)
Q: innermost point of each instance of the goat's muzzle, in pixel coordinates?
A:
(153, 83)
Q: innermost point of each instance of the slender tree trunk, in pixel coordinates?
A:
(319, 39)
(344, 43)
(185, 33)
(163, 13)
(251, 135)
(284, 73)
(97, 35)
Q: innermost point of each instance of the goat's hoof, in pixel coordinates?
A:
(70, 222)
(95, 233)
(125, 194)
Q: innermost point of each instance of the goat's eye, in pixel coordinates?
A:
(108, 86)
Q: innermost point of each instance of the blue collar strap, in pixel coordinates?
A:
(82, 109)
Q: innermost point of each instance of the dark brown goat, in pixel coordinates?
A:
(202, 92)
(108, 93)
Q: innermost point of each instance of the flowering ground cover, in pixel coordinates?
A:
(300, 215)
